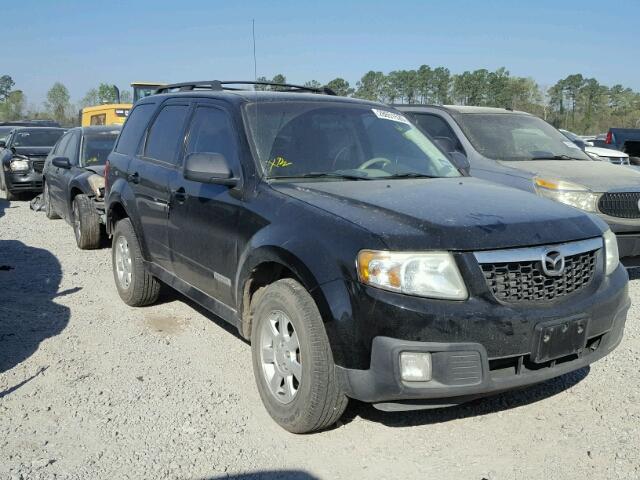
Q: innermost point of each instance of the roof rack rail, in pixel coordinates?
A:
(217, 85)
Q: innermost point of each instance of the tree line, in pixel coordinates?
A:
(576, 102)
(57, 106)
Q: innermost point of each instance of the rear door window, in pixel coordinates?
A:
(133, 129)
(166, 135)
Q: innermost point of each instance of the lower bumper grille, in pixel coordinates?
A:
(621, 205)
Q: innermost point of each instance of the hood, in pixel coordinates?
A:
(462, 214)
(33, 151)
(596, 176)
(606, 152)
(98, 169)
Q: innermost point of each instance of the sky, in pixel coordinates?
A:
(83, 43)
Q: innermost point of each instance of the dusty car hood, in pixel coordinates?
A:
(447, 213)
(606, 152)
(596, 176)
(33, 151)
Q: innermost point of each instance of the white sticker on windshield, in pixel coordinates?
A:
(387, 115)
(571, 145)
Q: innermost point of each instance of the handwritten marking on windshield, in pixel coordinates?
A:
(278, 162)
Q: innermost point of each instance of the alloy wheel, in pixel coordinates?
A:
(280, 356)
(123, 262)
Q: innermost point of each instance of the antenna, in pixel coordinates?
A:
(255, 78)
(255, 63)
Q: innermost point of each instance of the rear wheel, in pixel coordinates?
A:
(86, 223)
(48, 206)
(135, 285)
(292, 360)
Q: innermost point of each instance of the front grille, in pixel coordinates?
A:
(525, 281)
(38, 165)
(621, 205)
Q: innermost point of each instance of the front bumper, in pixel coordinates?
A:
(29, 181)
(462, 371)
(627, 232)
(494, 342)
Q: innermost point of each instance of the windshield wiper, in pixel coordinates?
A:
(346, 176)
(409, 175)
(555, 157)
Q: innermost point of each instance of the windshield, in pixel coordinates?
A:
(515, 136)
(96, 147)
(298, 139)
(36, 138)
(143, 91)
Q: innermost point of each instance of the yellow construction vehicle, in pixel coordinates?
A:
(116, 113)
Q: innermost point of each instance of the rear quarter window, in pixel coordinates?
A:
(134, 128)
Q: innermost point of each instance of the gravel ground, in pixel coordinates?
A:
(93, 389)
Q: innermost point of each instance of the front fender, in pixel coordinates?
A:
(80, 182)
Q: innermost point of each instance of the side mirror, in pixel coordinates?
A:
(3, 144)
(208, 167)
(460, 160)
(61, 162)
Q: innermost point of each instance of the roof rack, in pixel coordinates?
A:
(217, 85)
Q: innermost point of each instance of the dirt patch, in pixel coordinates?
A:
(165, 324)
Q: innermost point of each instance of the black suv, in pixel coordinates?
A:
(351, 252)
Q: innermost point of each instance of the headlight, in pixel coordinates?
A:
(612, 257)
(18, 165)
(96, 182)
(432, 274)
(568, 193)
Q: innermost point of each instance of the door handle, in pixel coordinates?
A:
(133, 177)
(180, 195)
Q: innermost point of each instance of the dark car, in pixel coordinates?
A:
(22, 154)
(626, 140)
(74, 181)
(523, 151)
(355, 257)
(31, 123)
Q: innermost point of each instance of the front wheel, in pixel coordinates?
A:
(48, 206)
(292, 360)
(135, 285)
(86, 223)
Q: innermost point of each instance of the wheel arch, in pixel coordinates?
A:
(266, 265)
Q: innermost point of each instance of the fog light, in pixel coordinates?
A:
(415, 366)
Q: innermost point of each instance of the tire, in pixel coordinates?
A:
(142, 288)
(86, 223)
(318, 402)
(49, 211)
(9, 195)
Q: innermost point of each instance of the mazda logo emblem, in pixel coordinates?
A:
(553, 263)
